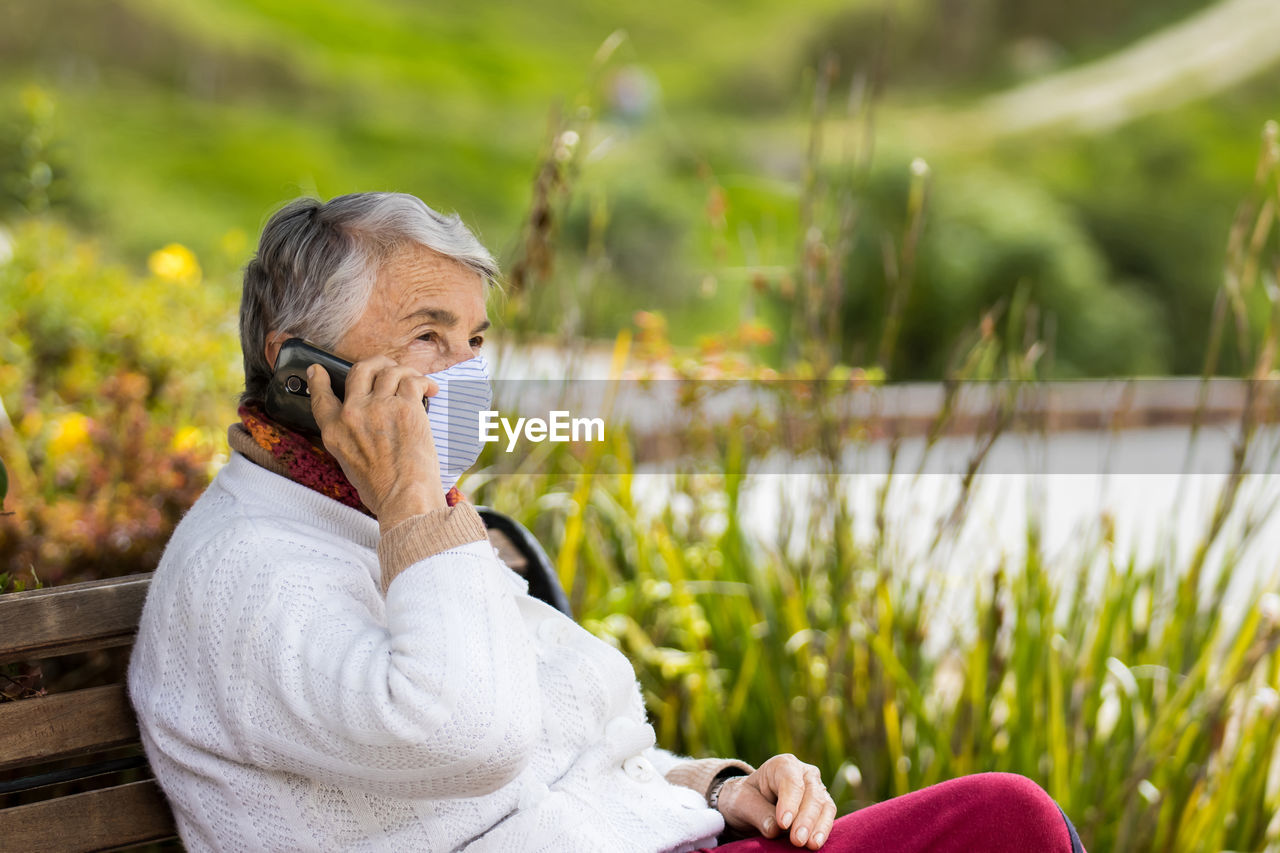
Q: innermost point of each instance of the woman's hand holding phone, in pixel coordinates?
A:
(381, 436)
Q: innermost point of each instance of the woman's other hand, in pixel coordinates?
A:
(783, 794)
(381, 436)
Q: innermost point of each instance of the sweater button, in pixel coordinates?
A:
(639, 768)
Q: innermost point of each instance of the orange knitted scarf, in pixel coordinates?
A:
(307, 462)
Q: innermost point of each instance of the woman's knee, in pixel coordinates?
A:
(1019, 806)
(1012, 790)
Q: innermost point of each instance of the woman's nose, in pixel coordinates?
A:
(452, 355)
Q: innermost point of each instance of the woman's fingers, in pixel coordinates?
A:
(415, 388)
(809, 820)
(389, 379)
(783, 779)
(743, 806)
(802, 805)
(822, 831)
(360, 379)
(324, 404)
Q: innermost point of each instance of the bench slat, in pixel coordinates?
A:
(65, 724)
(96, 820)
(74, 618)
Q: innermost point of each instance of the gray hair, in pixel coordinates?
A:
(317, 263)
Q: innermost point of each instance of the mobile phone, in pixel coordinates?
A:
(288, 401)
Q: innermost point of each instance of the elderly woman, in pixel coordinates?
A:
(333, 658)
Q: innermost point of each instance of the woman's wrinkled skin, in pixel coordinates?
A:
(426, 313)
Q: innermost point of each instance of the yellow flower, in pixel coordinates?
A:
(175, 262)
(69, 432)
(187, 438)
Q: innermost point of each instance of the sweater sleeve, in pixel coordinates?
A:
(437, 699)
(423, 536)
(694, 773)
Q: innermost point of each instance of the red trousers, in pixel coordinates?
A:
(983, 813)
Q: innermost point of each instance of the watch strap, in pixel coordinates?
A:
(717, 782)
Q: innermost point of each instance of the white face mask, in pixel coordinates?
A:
(465, 392)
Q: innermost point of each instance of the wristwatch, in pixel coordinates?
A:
(713, 792)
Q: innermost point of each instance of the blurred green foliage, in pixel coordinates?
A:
(33, 161)
(1145, 197)
(70, 314)
(932, 43)
(986, 234)
(153, 123)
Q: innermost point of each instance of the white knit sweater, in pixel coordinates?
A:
(287, 703)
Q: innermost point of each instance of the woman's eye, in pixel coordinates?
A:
(427, 336)
(477, 341)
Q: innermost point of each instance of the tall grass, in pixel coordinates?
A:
(1117, 682)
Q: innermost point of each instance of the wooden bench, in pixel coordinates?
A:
(73, 776)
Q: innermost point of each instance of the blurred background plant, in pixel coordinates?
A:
(812, 192)
(111, 381)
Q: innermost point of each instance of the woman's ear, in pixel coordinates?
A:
(272, 349)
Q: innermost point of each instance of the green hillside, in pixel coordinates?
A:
(181, 120)
(190, 121)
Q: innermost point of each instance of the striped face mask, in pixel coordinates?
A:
(465, 392)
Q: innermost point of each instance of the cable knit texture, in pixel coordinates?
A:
(287, 703)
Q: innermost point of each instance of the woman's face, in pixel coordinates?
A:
(426, 311)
